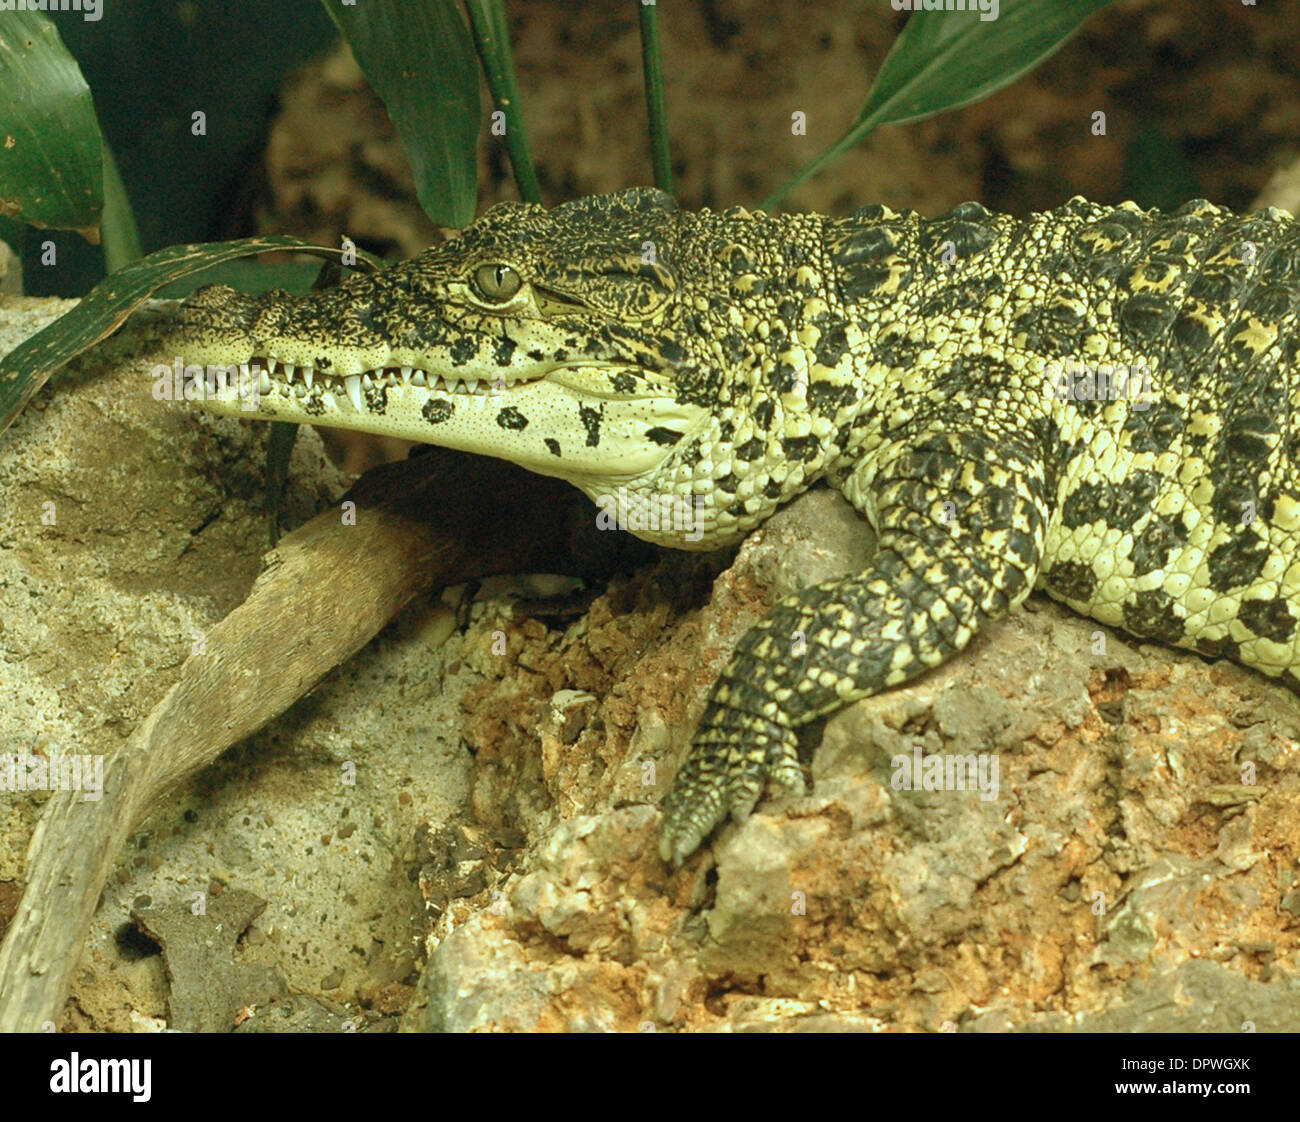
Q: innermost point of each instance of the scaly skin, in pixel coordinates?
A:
(731, 360)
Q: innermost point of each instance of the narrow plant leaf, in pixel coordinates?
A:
(652, 66)
(121, 235)
(419, 58)
(51, 174)
(284, 434)
(253, 277)
(487, 20)
(944, 60)
(279, 451)
(26, 368)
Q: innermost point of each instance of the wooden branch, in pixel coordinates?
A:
(439, 518)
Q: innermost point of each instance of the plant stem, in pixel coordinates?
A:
(487, 21)
(654, 95)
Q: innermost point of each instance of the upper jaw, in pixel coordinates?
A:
(591, 378)
(276, 343)
(289, 380)
(292, 389)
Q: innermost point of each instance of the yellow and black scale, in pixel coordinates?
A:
(1094, 400)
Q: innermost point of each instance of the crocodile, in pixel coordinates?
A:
(1094, 401)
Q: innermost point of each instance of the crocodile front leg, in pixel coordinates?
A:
(962, 521)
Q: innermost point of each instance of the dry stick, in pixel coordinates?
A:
(439, 518)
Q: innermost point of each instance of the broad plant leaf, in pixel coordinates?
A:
(51, 170)
(26, 368)
(153, 64)
(944, 60)
(419, 58)
(1157, 172)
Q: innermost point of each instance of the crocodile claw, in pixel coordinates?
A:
(733, 758)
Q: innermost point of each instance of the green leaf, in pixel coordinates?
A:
(151, 65)
(652, 66)
(121, 236)
(253, 277)
(279, 452)
(26, 368)
(944, 60)
(418, 56)
(51, 173)
(487, 20)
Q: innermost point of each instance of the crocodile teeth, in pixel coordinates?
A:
(419, 379)
(471, 385)
(406, 375)
(353, 385)
(367, 381)
(308, 374)
(271, 365)
(264, 383)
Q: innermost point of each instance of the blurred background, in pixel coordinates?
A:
(1200, 99)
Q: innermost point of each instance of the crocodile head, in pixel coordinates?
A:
(597, 342)
(543, 337)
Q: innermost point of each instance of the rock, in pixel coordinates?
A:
(1112, 835)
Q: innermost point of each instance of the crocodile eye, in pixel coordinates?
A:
(497, 283)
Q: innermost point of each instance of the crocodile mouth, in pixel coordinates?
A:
(304, 383)
(311, 388)
(584, 421)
